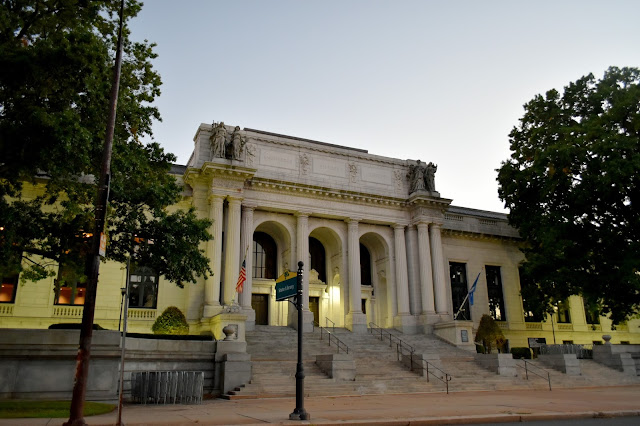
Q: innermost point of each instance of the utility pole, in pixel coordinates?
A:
(76, 417)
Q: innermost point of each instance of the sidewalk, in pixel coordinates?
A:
(397, 409)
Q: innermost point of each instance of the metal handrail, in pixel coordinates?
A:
(527, 366)
(401, 345)
(339, 343)
(392, 339)
(326, 324)
(425, 366)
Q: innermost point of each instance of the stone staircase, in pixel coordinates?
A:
(273, 353)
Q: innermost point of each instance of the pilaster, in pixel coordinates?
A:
(246, 248)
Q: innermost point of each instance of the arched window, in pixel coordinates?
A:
(365, 266)
(264, 256)
(317, 255)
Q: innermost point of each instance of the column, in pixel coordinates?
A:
(246, 249)
(302, 251)
(356, 321)
(426, 280)
(413, 270)
(232, 250)
(302, 246)
(402, 286)
(353, 242)
(437, 263)
(214, 253)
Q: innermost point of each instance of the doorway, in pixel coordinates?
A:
(314, 306)
(260, 305)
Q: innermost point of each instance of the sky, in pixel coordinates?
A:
(440, 81)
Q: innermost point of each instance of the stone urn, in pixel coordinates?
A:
(607, 339)
(229, 332)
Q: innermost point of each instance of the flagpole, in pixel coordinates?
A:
(471, 290)
(244, 263)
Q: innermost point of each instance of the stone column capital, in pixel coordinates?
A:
(302, 213)
(422, 224)
(248, 207)
(234, 199)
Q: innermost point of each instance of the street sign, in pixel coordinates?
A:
(286, 285)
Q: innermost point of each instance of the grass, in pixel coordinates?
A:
(15, 409)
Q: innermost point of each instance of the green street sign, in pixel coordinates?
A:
(286, 285)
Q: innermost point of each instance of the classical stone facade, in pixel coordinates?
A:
(379, 244)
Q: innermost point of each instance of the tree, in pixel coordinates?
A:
(56, 60)
(489, 334)
(572, 185)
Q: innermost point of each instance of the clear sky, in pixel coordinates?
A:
(440, 81)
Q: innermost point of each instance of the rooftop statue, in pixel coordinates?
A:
(237, 143)
(218, 140)
(421, 177)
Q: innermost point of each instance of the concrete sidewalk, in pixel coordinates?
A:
(397, 409)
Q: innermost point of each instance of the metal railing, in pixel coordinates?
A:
(426, 366)
(339, 344)
(401, 347)
(581, 351)
(384, 335)
(326, 324)
(528, 369)
(167, 387)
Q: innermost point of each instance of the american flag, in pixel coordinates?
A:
(243, 276)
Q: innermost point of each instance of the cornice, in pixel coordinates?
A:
(478, 236)
(342, 152)
(272, 186)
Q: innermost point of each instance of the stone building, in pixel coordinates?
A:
(380, 245)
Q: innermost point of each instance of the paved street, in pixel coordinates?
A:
(397, 409)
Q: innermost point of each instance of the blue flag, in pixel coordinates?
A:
(473, 289)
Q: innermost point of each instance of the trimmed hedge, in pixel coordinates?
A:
(172, 321)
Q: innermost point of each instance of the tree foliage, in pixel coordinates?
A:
(172, 321)
(489, 334)
(572, 185)
(56, 62)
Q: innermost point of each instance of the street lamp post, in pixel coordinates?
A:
(299, 413)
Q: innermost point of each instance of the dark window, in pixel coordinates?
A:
(265, 255)
(567, 342)
(591, 314)
(363, 306)
(459, 290)
(71, 286)
(494, 290)
(317, 255)
(564, 316)
(8, 289)
(532, 305)
(365, 266)
(143, 288)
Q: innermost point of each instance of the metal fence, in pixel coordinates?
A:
(581, 351)
(167, 387)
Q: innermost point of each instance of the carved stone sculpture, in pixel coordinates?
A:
(430, 177)
(421, 177)
(219, 140)
(416, 177)
(237, 144)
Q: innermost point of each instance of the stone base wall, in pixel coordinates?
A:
(40, 364)
(565, 363)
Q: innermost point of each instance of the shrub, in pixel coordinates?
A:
(489, 334)
(172, 321)
(522, 352)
